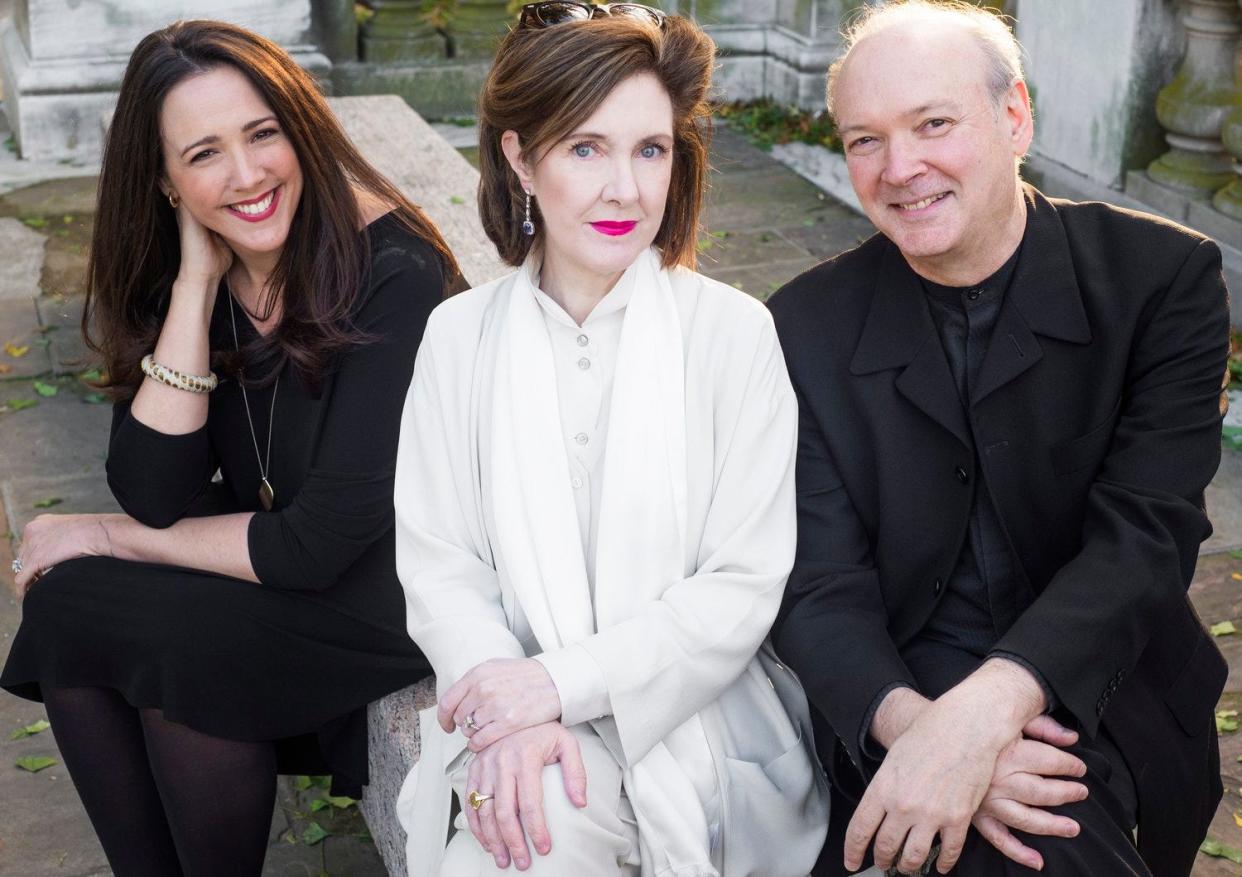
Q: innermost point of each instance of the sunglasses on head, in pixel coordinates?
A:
(553, 12)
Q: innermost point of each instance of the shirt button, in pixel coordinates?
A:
(974, 294)
(584, 363)
(583, 341)
(576, 482)
(961, 474)
(938, 587)
(581, 438)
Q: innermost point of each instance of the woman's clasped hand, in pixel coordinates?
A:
(497, 698)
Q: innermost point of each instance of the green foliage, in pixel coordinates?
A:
(767, 123)
(34, 763)
(1218, 850)
(314, 834)
(30, 730)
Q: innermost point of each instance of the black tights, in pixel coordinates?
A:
(165, 800)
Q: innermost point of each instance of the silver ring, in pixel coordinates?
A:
(16, 565)
(471, 723)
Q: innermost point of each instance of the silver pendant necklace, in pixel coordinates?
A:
(267, 496)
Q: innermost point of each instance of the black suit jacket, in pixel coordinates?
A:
(1097, 417)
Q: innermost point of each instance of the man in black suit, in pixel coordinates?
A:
(1010, 408)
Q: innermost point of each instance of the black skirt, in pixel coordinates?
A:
(226, 657)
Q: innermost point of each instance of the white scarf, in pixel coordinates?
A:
(642, 518)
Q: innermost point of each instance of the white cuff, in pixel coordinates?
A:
(579, 682)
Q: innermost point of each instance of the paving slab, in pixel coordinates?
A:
(21, 259)
(60, 317)
(1224, 504)
(23, 349)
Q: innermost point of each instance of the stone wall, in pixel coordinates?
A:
(63, 59)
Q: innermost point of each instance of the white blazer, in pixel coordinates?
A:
(698, 653)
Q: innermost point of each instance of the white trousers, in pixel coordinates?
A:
(599, 839)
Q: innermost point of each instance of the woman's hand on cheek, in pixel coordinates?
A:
(205, 257)
(499, 697)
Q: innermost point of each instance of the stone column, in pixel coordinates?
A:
(1193, 107)
(399, 30)
(63, 59)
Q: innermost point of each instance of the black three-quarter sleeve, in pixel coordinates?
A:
(345, 503)
(156, 477)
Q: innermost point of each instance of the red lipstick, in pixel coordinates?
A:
(258, 217)
(614, 229)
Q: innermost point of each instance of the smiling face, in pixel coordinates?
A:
(931, 156)
(601, 189)
(228, 160)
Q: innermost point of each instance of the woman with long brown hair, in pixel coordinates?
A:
(226, 628)
(595, 496)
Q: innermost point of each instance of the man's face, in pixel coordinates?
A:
(930, 154)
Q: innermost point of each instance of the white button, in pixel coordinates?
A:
(584, 363)
(581, 438)
(583, 341)
(576, 482)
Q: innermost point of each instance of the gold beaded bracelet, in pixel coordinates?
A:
(179, 380)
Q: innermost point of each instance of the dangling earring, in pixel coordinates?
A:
(528, 227)
(173, 201)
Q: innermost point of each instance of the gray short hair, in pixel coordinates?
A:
(1001, 50)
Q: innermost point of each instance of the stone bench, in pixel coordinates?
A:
(432, 174)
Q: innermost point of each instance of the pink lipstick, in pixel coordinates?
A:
(614, 229)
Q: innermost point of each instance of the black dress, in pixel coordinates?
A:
(297, 658)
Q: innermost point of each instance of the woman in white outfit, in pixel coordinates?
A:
(595, 497)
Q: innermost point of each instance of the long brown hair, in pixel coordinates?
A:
(545, 81)
(135, 252)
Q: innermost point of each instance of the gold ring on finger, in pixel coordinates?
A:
(475, 800)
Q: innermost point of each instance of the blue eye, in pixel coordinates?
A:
(582, 150)
(651, 150)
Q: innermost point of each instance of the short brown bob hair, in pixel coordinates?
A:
(546, 81)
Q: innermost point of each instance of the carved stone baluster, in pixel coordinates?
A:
(1193, 107)
(1229, 199)
(399, 31)
(478, 26)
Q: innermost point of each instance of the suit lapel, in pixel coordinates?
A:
(1043, 298)
(899, 333)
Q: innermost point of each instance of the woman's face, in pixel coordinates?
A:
(228, 160)
(601, 190)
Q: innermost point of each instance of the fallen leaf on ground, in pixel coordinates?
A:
(1226, 721)
(314, 834)
(19, 404)
(14, 351)
(30, 730)
(1223, 628)
(1218, 850)
(34, 763)
(1237, 819)
(340, 802)
(95, 398)
(5, 368)
(1236, 554)
(48, 503)
(46, 390)
(1237, 576)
